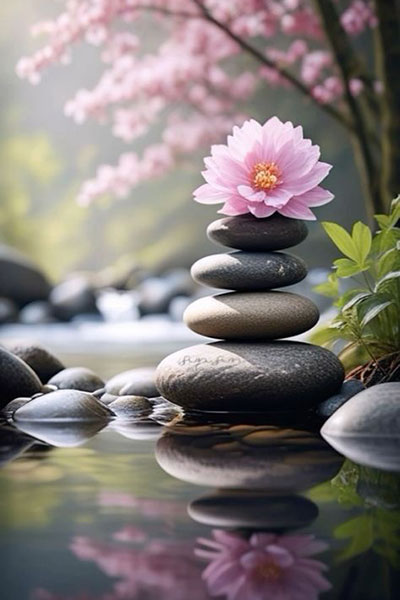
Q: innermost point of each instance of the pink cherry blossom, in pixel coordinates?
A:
(265, 169)
(265, 567)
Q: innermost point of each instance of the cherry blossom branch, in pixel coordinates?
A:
(349, 66)
(287, 75)
(388, 59)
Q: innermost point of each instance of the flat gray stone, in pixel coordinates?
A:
(257, 376)
(77, 378)
(262, 457)
(16, 378)
(246, 232)
(63, 405)
(135, 382)
(249, 270)
(366, 428)
(252, 509)
(251, 315)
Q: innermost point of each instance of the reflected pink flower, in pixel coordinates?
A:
(265, 567)
(265, 169)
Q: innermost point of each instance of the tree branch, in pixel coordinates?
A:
(287, 75)
(388, 60)
(349, 66)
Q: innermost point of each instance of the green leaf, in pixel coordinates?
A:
(328, 288)
(341, 239)
(374, 311)
(385, 240)
(394, 212)
(386, 278)
(382, 220)
(360, 531)
(356, 300)
(346, 267)
(389, 261)
(362, 238)
(325, 336)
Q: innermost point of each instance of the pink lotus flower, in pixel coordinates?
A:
(265, 169)
(265, 567)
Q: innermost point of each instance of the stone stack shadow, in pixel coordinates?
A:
(252, 368)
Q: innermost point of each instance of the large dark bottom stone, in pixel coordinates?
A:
(249, 376)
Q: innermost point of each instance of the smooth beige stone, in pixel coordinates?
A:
(251, 315)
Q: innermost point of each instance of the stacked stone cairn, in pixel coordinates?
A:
(252, 368)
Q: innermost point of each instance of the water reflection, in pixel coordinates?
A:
(61, 435)
(263, 566)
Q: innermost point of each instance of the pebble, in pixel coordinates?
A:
(366, 428)
(130, 406)
(135, 382)
(43, 362)
(64, 405)
(16, 378)
(77, 378)
(348, 389)
(252, 509)
(246, 232)
(249, 376)
(251, 315)
(244, 271)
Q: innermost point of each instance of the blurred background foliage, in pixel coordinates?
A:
(45, 156)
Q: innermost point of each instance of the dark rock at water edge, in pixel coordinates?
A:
(21, 280)
(16, 378)
(43, 362)
(366, 428)
(251, 315)
(258, 376)
(8, 311)
(349, 388)
(246, 232)
(249, 270)
(252, 509)
(77, 378)
(73, 297)
(63, 405)
(135, 382)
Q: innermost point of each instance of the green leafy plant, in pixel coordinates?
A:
(365, 285)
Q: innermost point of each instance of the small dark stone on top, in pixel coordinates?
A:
(246, 232)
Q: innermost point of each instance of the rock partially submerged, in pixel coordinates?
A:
(16, 378)
(77, 378)
(63, 405)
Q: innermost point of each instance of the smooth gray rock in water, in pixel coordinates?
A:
(43, 362)
(271, 458)
(16, 378)
(246, 232)
(21, 280)
(62, 435)
(251, 315)
(63, 405)
(107, 398)
(130, 406)
(249, 270)
(350, 388)
(367, 428)
(12, 406)
(252, 509)
(77, 378)
(73, 297)
(8, 311)
(135, 382)
(258, 376)
(141, 429)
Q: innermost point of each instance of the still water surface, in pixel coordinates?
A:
(247, 510)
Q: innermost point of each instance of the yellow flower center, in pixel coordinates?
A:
(269, 570)
(265, 176)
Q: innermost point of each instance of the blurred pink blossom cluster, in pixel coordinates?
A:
(264, 567)
(187, 86)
